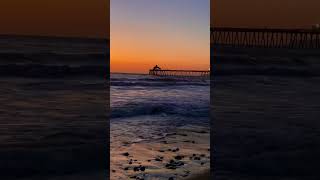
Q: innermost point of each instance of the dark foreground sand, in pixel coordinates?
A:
(203, 176)
(181, 155)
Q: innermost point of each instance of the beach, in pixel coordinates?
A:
(159, 127)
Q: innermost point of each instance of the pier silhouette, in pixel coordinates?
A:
(156, 71)
(265, 37)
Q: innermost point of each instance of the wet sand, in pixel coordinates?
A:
(179, 155)
(202, 176)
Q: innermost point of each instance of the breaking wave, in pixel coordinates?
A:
(165, 109)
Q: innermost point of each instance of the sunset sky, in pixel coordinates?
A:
(84, 18)
(170, 33)
(90, 18)
(265, 13)
(173, 34)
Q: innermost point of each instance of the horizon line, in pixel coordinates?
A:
(128, 73)
(55, 36)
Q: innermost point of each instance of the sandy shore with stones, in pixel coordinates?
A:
(179, 155)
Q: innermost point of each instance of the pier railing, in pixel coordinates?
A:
(266, 38)
(179, 73)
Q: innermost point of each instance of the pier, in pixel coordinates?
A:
(265, 38)
(179, 73)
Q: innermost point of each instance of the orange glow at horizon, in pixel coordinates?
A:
(130, 55)
(138, 44)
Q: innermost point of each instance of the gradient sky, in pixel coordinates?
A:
(80, 18)
(261, 13)
(90, 18)
(171, 33)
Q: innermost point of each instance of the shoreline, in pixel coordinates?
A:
(178, 155)
(201, 176)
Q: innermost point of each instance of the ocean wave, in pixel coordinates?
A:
(268, 71)
(159, 84)
(52, 58)
(165, 109)
(146, 81)
(52, 71)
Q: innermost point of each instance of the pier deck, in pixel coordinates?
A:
(266, 38)
(179, 73)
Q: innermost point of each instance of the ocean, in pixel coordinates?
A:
(53, 116)
(150, 117)
(265, 113)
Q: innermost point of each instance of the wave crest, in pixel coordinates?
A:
(140, 109)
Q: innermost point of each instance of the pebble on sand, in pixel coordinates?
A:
(126, 154)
